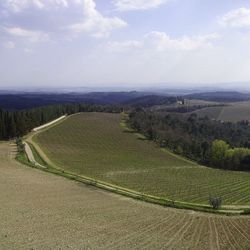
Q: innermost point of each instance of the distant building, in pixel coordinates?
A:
(181, 102)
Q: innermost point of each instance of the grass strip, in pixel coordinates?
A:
(37, 157)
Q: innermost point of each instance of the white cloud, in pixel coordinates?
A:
(162, 41)
(95, 23)
(124, 46)
(238, 18)
(20, 5)
(87, 18)
(9, 45)
(127, 5)
(32, 36)
(27, 50)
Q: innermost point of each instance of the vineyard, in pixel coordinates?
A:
(232, 112)
(97, 146)
(43, 211)
(235, 112)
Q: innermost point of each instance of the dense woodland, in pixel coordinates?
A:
(18, 123)
(22, 101)
(223, 145)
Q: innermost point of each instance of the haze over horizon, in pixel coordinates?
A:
(125, 44)
(163, 89)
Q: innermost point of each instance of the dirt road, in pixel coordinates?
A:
(30, 155)
(49, 123)
(42, 211)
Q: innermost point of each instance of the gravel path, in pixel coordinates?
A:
(49, 123)
(30, 155)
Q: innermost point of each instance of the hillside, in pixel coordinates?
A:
(220, 96)
(95, 145)
(149, 100)
(44, 211)
(232, 112)
(19, 101)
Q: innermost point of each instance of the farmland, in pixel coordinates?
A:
(210, 112)
(233, 112)
(97, 146)
(43, 211)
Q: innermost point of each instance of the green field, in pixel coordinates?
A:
(97, 146)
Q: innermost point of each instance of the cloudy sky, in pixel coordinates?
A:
(132, 43)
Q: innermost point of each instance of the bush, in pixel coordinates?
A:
(20, 145)
(215, 202)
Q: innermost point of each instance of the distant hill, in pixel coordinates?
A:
(113, 97)
(19, 101)
(234, 112)
(220, 96)
(150, 100)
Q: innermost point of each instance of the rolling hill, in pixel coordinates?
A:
(232, 112)
(44, 211)
(95, 145)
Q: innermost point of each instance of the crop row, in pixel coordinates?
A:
(95, 145)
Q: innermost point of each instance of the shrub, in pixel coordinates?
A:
(20, 145)
(215, 202)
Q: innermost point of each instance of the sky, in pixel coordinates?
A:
(124, 43)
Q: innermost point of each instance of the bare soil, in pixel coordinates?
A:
(43, 211)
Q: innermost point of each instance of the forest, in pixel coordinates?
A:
(18, 123)
(210, 142)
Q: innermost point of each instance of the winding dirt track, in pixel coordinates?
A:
(43, 211)
(30, 155)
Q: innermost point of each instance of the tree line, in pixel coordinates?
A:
(18, 123)
(195, 137)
